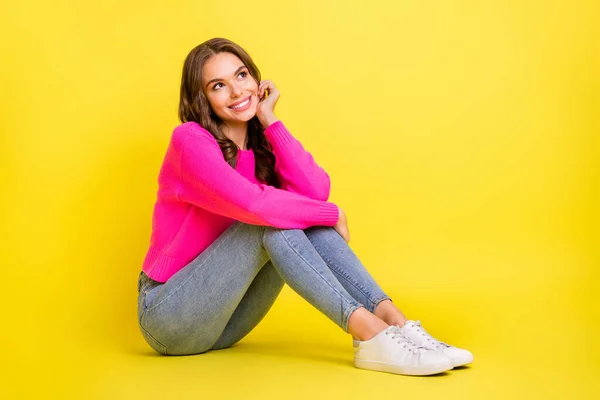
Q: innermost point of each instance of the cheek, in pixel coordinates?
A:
(252, 87)
(217, 101)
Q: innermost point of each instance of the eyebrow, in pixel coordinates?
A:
(219, 79)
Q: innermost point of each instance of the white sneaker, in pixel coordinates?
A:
(391, 351)
(419, 336)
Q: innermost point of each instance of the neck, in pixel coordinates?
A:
(237, 132)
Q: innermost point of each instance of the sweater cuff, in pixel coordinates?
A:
(278, 134)
(329, 214)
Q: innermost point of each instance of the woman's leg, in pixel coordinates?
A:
(253, 307)
(352, 274)
(302, 268)
(268, 284)
(189, 313)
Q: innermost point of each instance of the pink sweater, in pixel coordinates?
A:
(200, 195)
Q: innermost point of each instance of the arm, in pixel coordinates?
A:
(208, 181)
(295, 166)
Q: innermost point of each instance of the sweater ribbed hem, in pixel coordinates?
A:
(159, 266)
(278, 134)
(329, 214)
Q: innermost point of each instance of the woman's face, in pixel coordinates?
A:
(227, 82)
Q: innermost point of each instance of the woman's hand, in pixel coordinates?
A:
(341, 226)
(265, 110)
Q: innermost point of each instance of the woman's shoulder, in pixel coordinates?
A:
(190, 128)
(185, 131)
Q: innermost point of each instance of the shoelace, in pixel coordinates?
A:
(435, 342)
(404, 341)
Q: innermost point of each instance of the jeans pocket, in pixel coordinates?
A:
(149, 337)
(149, 292)
(141, 306)
(147, 289)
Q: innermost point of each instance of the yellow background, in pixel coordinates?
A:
(462, 142)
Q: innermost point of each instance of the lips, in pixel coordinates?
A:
(239, 102)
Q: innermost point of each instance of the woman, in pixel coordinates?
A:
(242, 209)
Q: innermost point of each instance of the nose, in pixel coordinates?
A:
(236, 90)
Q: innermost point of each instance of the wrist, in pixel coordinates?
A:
(268, 120)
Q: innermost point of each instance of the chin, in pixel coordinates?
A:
(244, 118)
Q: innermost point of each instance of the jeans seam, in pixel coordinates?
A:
(358, 286)
(311, 266)
(368, 297)
(164, 348)
(173, 291)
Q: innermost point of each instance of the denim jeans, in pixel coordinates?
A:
(221, 295)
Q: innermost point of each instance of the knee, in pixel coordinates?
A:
(274, 235)
(271, 232)
(321, 232)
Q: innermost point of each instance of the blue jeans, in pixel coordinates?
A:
(221, 295)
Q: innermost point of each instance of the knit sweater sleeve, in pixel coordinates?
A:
(296, 167)
(208, 181)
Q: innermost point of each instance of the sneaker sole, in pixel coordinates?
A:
(398, 369)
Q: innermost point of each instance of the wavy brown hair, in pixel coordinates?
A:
(194, 106)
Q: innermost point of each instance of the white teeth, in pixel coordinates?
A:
(241, 104)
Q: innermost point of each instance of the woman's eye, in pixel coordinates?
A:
(243, 72)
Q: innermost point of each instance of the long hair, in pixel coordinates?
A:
(194, 106)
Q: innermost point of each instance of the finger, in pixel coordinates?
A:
(267, 85)
(262, 87)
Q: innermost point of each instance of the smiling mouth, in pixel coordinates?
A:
(241, 104)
